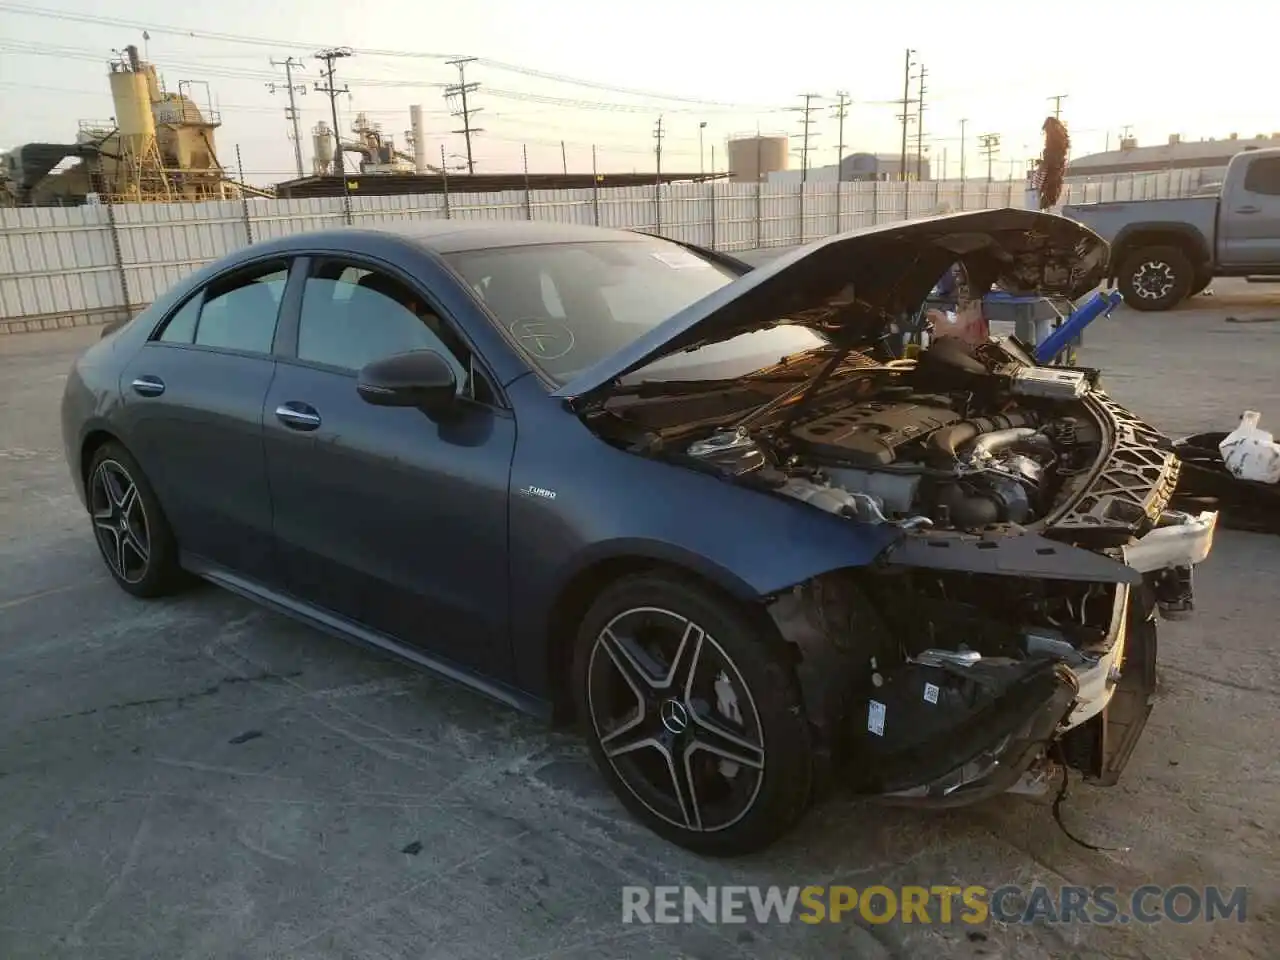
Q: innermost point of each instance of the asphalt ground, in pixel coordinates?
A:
(200, 778)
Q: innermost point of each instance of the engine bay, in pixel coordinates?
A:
(963, 438)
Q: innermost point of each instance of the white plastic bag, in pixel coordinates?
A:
(1250, 453)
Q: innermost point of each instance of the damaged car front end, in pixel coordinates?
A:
(1009, 628)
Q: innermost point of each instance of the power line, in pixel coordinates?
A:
(188, 34)
(806, 123)
(460, 90)
(990, 147)
(291, 112)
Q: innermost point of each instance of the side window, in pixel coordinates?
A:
(1263, 176)
(181, 327)
(240, 314)
(352, 316)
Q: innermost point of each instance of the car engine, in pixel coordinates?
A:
(967, 438)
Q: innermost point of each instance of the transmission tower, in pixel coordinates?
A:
(990, 147)
(466, 112)
(331, 56)
(806, 123)
(291, 111)
(840, 110)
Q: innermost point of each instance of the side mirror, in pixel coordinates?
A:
(419, 378)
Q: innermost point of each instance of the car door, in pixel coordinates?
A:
(193, 400)
(1250, 212)
(383, 515)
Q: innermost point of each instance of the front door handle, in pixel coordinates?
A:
(298, 416)
(148, 386)
(1246, 209)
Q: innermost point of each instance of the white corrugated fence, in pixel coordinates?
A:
(71, 266)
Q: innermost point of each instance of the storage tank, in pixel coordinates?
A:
(419, 138)
(753, 158)
(131, 95)
(322, 149)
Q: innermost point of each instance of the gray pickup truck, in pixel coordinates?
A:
(1163, 251)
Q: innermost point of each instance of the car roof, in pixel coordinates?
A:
(456, 236)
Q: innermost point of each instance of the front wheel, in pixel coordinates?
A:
(692, 715)
(1155, 278)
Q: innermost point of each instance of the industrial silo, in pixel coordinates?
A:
(131, 94)
(418, 132)
(753, 158)
(322, 149)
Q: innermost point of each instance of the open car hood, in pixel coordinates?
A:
(849, 287)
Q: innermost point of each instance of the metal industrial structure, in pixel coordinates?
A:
(753, 157)
(376, 150)
(859, 167)
(159, 147)
(409, 184)
(1176, 154)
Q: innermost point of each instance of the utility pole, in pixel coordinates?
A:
(963, 122)
(657, 147)
(906, 114)
(806, 122)
(920, 126)
(1057, 99)
(702, 169)
(990, 147)
(840, 110)
(331, 56)
(291, 112)
(460, 90)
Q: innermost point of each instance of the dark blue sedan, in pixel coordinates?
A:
(699, 508)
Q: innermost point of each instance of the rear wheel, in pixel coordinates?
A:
(133, 535)
(1155, 278)
(692, 715)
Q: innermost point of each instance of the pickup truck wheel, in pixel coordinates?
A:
(1155, 278)
(1200, 283)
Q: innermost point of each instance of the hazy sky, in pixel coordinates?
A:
(1121, 62)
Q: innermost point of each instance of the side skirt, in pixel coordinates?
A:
(345, 629)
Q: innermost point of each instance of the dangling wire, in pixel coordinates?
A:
(1057, 814)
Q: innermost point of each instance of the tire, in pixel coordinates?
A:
(1152, 279)
(1200, 282)
(133, 535)
(692, 715)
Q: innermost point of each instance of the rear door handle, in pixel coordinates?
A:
(148, 386)
(298, 416)
(1246, 209)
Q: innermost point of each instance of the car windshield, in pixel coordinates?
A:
(569, 305)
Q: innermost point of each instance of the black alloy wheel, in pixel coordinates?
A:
(693, 719)
(1155, 278)
(132, 533)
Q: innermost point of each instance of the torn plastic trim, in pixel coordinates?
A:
(1180, 540)
(1021, 732)
(1014, 553)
